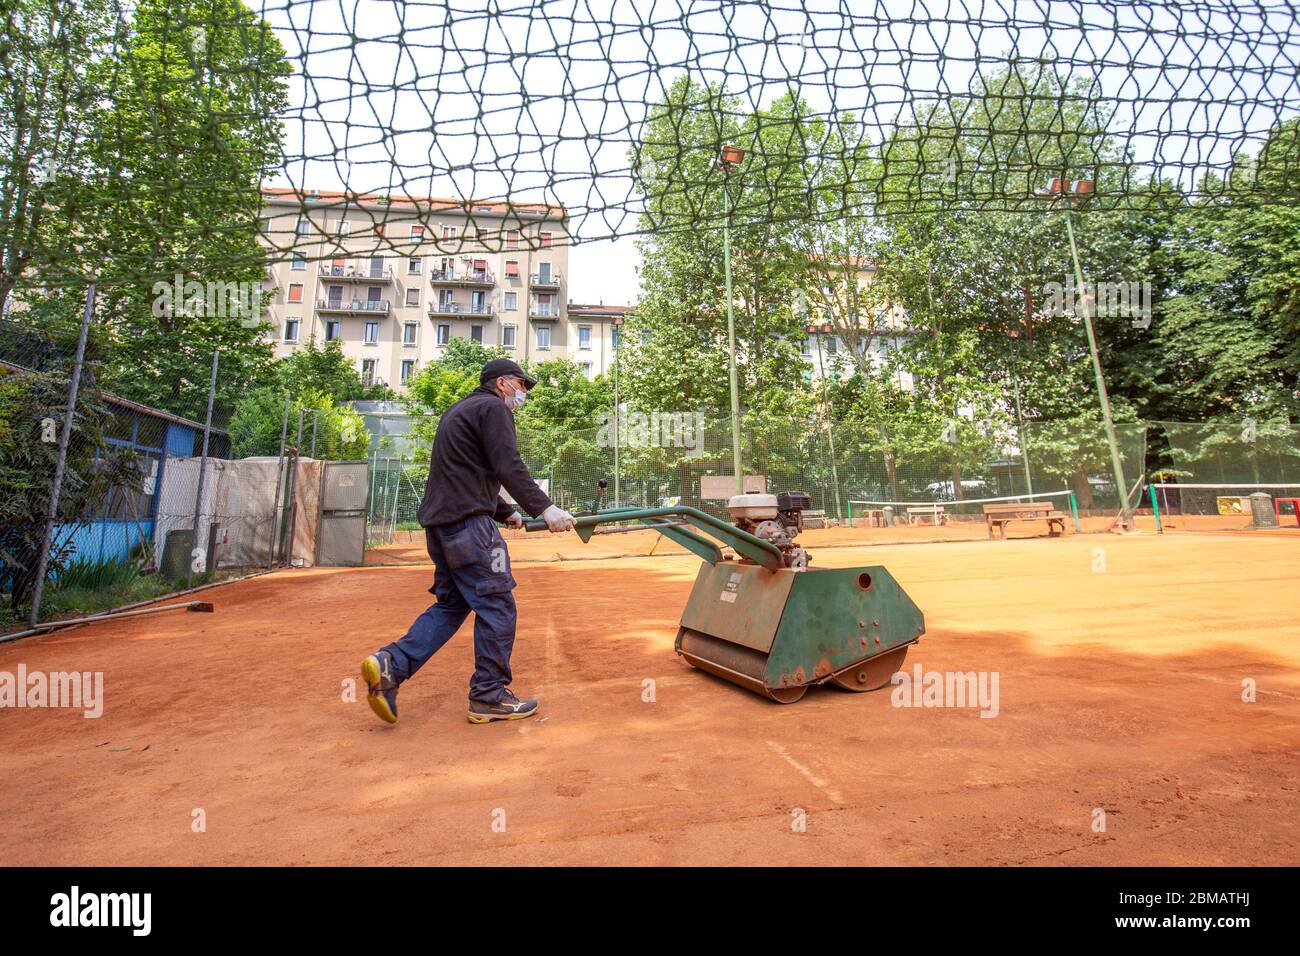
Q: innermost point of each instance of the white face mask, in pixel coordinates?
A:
(515, 399)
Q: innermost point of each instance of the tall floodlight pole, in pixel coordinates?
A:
(729, 159)
(817, 331)
(1072, 193)
(617, 323)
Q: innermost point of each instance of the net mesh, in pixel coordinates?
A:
(514, 108)
(687, 460)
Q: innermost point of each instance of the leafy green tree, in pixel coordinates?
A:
(326, 369)
(674, 353)
(168, 192)
(55, 64)
(33, 403)
(255, 427)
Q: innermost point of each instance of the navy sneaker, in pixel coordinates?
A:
(377, 670)
(509, 707)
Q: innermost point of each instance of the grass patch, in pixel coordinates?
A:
(78, 601)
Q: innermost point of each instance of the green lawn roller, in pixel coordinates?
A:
(765, 619)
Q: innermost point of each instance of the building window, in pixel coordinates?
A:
(295, 292)
(508, 336)
(646, 336)
(408, 333)
(412, 297)
(299, 263)
(414, 266)
(372, 333)
(476, 334)
(543, 306)
(586, 369)
(368, 371)
(417, 232)
(616, 335)
(543, 336)
(512, 240)
(449, 232)
(376, 267)
(544, 273)
(341, 229)
(304, 226)
(512, 269)
(332, 330)
(511, 301)
(444, 333)
(291, 330)
(584, 336)
(379, 230)
(546, 239)
(408, 369)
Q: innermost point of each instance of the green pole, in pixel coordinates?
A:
(617, 416)
(731, 337)
(1155, 509)
(1024, 434)
(1074, 510)
(1126, 512)
(830, 433)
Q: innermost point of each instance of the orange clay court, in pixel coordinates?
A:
(1119, 690)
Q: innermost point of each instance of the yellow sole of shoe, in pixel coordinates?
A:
(480, 719)
(370, 674)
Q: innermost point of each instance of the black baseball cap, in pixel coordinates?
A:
(498, 367)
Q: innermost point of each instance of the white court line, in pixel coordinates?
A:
(811, 777)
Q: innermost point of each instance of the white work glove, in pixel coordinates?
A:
(557, 519)
(516, 520)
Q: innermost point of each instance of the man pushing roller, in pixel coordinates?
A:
(474, 455)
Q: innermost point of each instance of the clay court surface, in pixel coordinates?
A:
(1120, 689)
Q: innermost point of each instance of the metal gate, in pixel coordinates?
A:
(341, 539)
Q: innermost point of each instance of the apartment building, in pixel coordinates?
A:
(822, 346)
(596, 333)
(396, 279)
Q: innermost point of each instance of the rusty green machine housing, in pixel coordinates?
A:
(771, 628)
(779, 632)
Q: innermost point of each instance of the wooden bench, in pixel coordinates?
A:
(934, 512)
(814, 519)
(1003, 514)
(873, 518)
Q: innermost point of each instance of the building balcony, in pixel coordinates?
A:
(544, 315)
(551, 281)
(353, 306)
(354, 272)
(460, 310)
(474, 278)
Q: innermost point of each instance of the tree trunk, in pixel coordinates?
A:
(1082, 488)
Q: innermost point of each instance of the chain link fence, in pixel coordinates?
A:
(106, 502)
(684, 458)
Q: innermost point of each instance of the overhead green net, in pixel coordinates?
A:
(163, 118)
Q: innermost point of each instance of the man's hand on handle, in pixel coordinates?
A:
(516, 520)
(557, 519)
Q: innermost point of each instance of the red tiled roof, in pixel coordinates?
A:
(609, 310)
(325, 197)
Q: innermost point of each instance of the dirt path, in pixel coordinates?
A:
(1119, 689)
